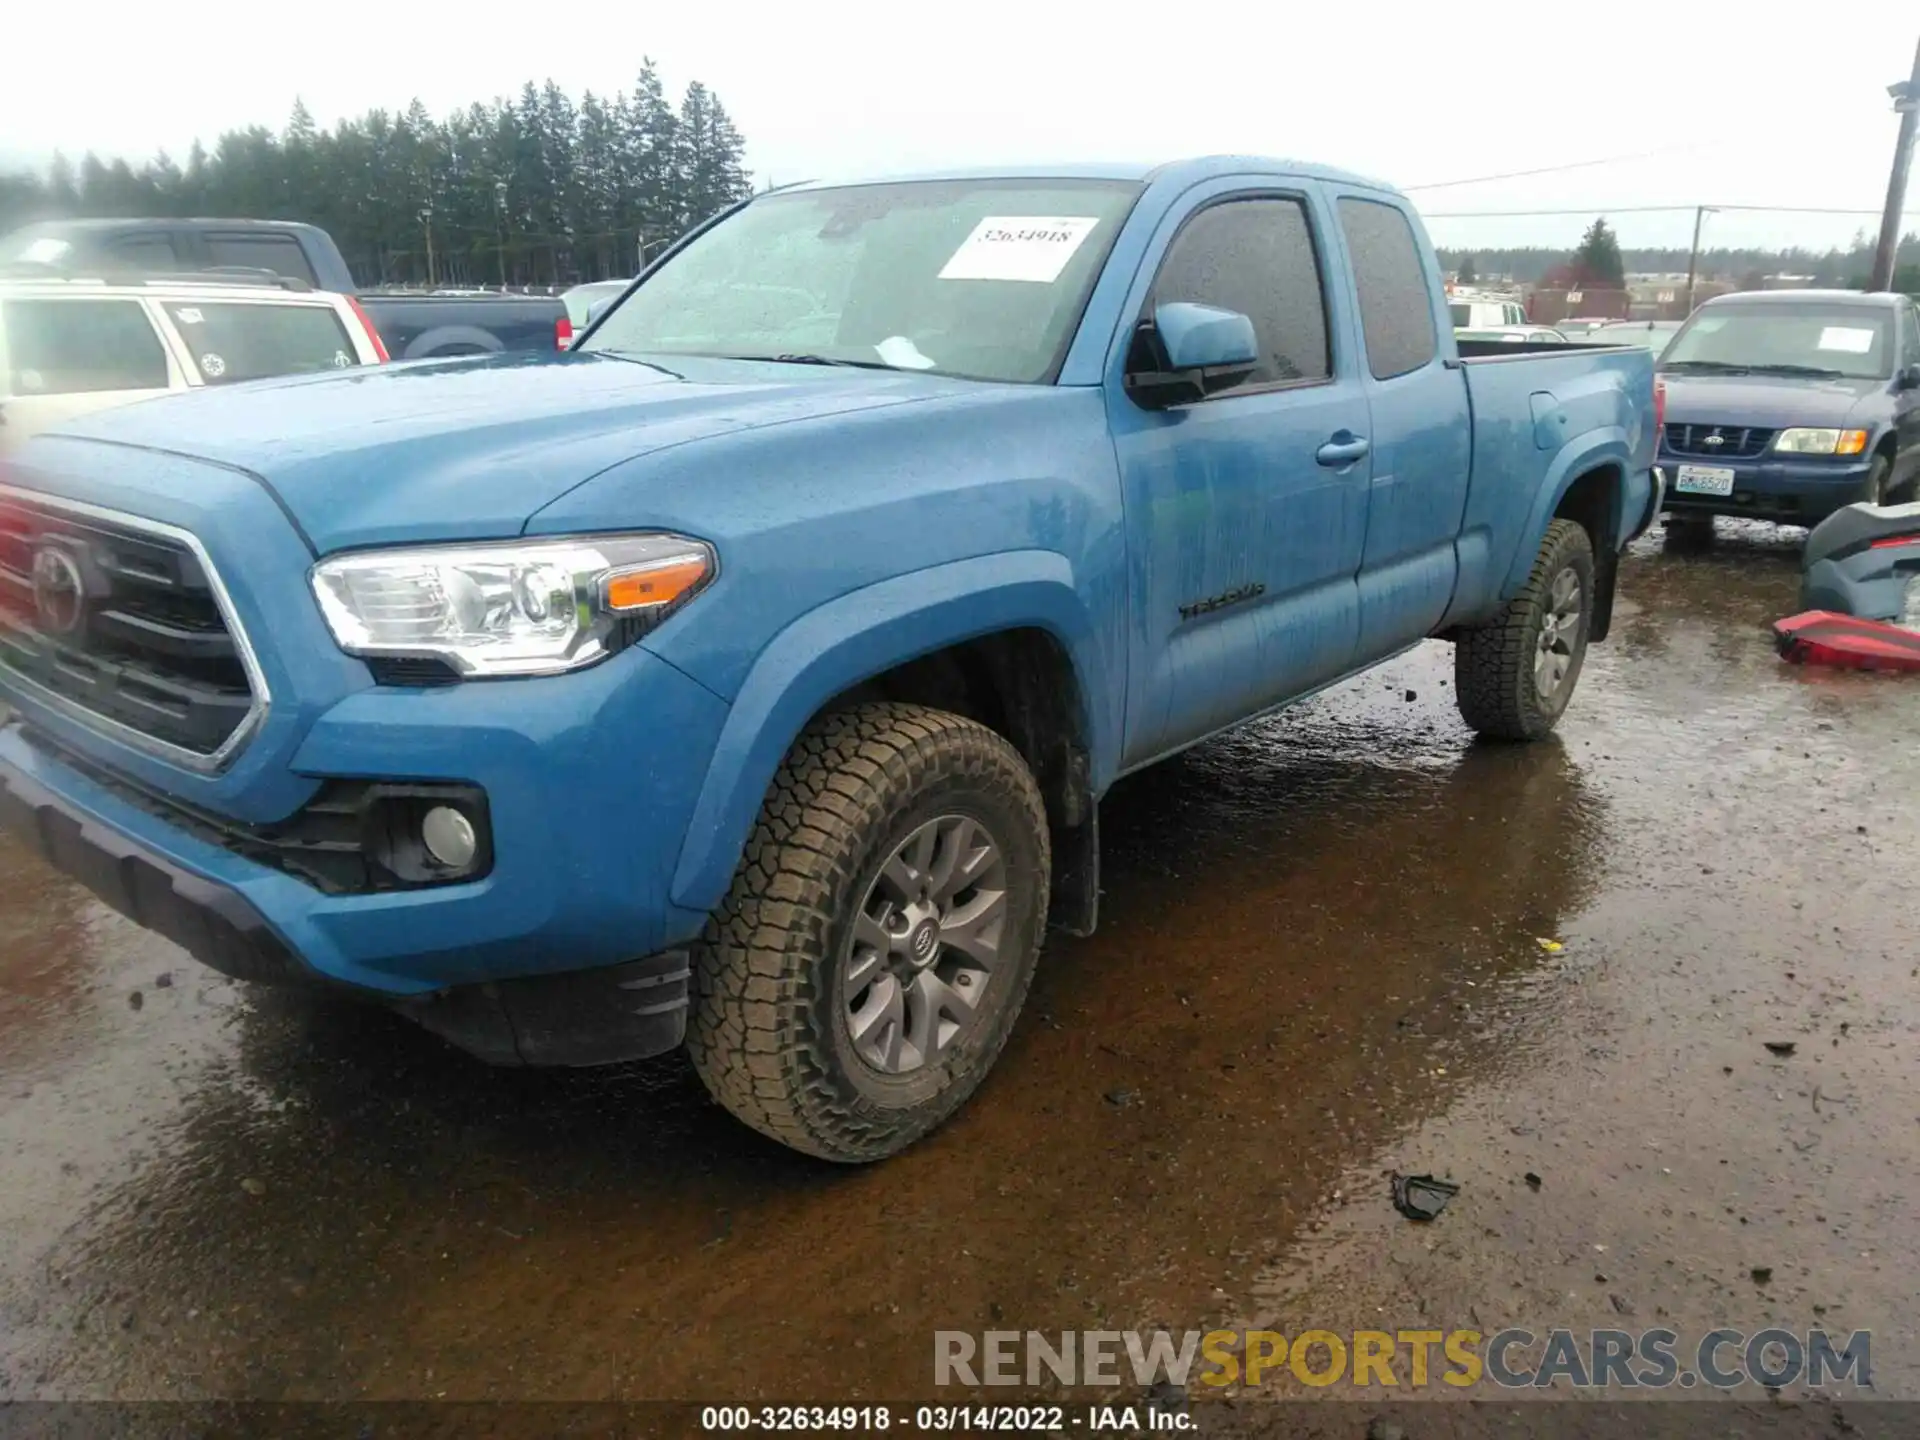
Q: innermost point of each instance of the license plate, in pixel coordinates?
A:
(1704, 480)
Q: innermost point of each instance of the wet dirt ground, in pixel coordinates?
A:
(1319, 962)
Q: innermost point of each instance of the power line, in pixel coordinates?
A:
(1558, 169)
(1638, 210)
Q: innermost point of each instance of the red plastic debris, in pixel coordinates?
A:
(1821, 637)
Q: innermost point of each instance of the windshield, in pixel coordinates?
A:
(1854, 341)
(977, 278)
(231, 342)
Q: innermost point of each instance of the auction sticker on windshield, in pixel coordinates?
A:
(1704, 480)
(1019, 247)
(1847, 339)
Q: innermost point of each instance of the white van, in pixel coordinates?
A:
(1472, 313)
(71, 346)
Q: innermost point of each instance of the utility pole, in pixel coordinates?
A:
(1906, 98)
(1700, 213)
(500, 226)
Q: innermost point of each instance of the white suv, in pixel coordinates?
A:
(69, 346)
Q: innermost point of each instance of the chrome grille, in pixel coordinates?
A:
(124, 623)
(1717, 442)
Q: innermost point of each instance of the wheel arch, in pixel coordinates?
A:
(1005, 639)
(431, 343)
(1586, 483)
(1594, 500)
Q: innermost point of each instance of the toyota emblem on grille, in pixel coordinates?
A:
(59, 594)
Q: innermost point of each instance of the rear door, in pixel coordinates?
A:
(65, 355)
(1422, 442)
(1246, 511)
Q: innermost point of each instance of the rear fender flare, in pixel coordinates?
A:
(1606, 446)
(853, 638)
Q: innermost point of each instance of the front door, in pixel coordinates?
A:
(1246, 512)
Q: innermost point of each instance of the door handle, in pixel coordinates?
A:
(1343, 449)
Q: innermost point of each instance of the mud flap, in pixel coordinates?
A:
(581, 1018)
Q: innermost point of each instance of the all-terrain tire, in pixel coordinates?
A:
(768, 1031)
(1494, 664)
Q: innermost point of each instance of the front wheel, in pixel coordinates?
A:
(1514, 675)
(866, 968)
(1878, 487)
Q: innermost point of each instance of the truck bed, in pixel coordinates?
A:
(420, 326)
(1579, 398)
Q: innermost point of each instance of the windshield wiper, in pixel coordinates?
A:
(1795, 370)
(632, 359)
(791, 359)
(1720, 365)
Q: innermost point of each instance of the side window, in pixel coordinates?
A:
(1396, 305)
(72, 347)
(1515, 315)
(149, 252)
(264, 250)
(1255, 256)
(1910, 336)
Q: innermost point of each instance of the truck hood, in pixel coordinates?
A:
(469, 449)
(1773, 401)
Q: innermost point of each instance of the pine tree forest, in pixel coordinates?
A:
(538, 190)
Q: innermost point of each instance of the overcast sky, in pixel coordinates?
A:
(1716, 102)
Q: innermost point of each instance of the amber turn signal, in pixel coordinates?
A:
(651, 586)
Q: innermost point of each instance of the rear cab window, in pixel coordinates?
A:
(1396, 304)
(229, 341)
(56, 345)
(272, 250)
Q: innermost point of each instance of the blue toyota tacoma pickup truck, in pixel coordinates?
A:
(750, 675)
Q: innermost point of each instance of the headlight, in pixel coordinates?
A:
(533, 607)
(1820, 442)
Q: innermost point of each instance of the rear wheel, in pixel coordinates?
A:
(1514, 675)
(865, 970)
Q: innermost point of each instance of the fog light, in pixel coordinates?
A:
(449, 837)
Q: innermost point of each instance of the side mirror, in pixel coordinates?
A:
(1194, 351)
(599, 308)
(1909, 378)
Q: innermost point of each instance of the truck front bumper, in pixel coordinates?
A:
(588, 779)
(1789, 492)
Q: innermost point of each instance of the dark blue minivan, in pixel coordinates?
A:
(1787, 405)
